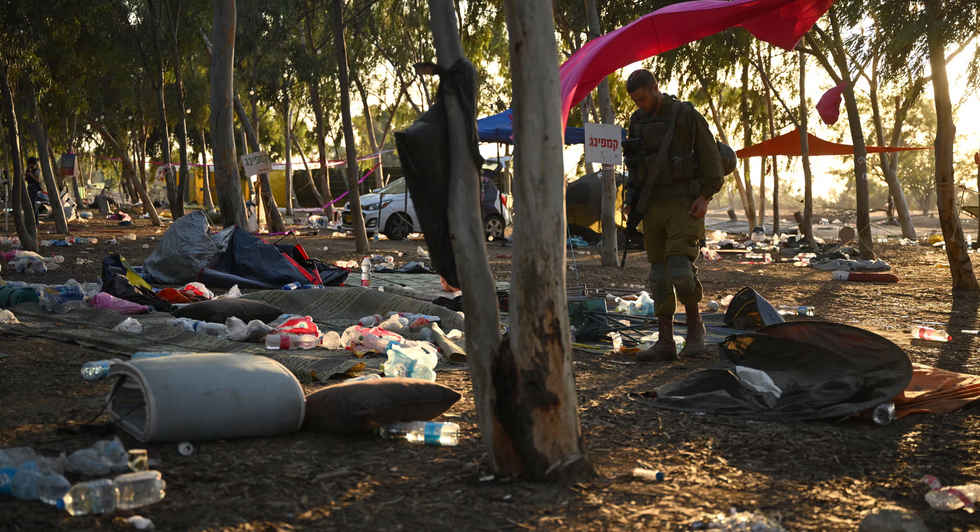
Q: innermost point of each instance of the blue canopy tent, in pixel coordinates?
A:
(497, 128)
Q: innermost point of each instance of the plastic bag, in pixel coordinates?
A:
(102, 459)
(129, 325)
(110, 302)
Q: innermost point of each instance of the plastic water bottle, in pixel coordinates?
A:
(927, 333)
(291, 341)
(426, 432)
(30, 485)
(132, 490)
(368, 377)
(292, 286)
(795, 311)
(93, 371)
(61, 298)
(412, 361)
(366, 272)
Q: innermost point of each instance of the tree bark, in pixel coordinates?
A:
(762, 180)
(222, 123)
(747, 141)
(206, 192)
(960, 266)
(176, 204)
(323, 174)
(889, 162)
(287, 126)
(22, 221)
(609, 250)
(353, 170)
(182, 182)
(772, 129)
(807, 228)
(54, 194)
(276, 224)
(379, 178)
(127, 167)
(536, 429)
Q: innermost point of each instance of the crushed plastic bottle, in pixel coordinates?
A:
(101, 459)
(648, 475)
(951, 498)
(292, 286)
(370, 321)
(426, 432)
(132, 490)
(218, 330)
(29, 484)
(927, 333)
(61, 299)
(884, 413)
(331, 340)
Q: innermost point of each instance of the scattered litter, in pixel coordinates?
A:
(865, 277)
(103, 458)
(7, 318)
(422, 254)
(714, 306)
(738, 521)
(129, 325)
(139, 522)
(185, 448)
(138, 460)
(928, 333)
(125, 492)
(427, 432)
(952, 498)
(795, 311)
(884, 413)
(648, 475)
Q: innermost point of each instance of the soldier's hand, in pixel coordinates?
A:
(699, 208)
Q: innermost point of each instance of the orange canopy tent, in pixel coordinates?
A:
(789, 144)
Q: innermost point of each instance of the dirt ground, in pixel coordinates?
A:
(813, 476)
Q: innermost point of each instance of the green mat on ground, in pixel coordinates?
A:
(333, 308)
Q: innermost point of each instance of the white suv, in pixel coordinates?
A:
(392, 211)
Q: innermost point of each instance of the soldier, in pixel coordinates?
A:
(675, 169)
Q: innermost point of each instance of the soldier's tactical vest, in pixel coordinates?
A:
(677, 176)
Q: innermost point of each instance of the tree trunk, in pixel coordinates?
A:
(208, 201)
(22, 221)
(608, 251)
(889, 163)
(287, 126)
(176, 205)
(775, 172)
(747, 141)
(309, 174)
(353, 173)
(584, 108)
(762, 180)
(960, 266)
(274, 217)
(222, 123)
(323, 175)
(536, 431)
(127, 167)
(183, 178)
(379, 178)
(54, 194)
(807, 228)
(716, 118)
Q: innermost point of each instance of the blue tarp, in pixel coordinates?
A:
(497, 128)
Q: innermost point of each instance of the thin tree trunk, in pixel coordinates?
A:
(805, 154)
(772, 129)
(360, 235)
(889, 163)
(176, 205)
(276, 224)
(287, 126)
(762, 179)
(323, 174)
(54, 194)
(222, 123)
(609, 250)
(379, 178)
(309, 174)
(22, 222)
(537, 432)
(716, 118)
(747, 141)
(960, 266)
(182, 181)
(208, 200)
(127, 167)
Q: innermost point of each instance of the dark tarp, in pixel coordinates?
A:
(823, 370)
(185, 248)
(424, 154)
(250, 262)
(330, 275)
(749, 310)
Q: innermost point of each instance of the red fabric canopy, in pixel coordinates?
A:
(780, 22)
(789, 144)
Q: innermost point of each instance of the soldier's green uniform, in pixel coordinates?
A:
(670, 233)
